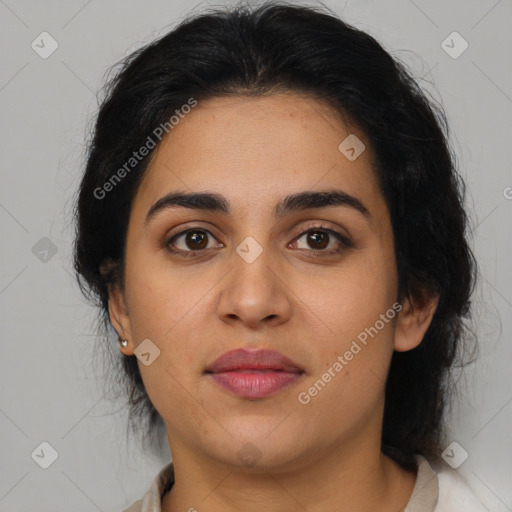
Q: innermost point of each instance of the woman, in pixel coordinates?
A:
(272, 222)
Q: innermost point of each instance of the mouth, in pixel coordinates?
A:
(253, 374)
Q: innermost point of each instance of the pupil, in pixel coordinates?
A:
(315, 236)
(194, 237)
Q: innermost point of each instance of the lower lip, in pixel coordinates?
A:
(255, 384)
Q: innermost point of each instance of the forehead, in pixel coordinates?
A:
(258, 149)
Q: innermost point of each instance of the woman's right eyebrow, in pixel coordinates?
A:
(214, 202)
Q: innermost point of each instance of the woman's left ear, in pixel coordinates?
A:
(413, 321)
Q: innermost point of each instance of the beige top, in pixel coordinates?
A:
(424, 496)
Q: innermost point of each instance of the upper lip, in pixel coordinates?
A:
(261, 359)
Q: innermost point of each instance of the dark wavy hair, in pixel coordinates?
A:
(278, 47)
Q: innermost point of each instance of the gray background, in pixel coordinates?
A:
(51, 390)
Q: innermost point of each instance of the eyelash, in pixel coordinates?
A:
(344, 241)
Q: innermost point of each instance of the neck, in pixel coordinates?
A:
(348, 477)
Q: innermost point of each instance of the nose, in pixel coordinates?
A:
(255, 293)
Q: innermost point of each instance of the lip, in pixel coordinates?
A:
(253, 373)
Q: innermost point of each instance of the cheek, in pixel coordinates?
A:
(355, 314)
(350, 382)
(165, 309)
(161, 298)
(176, 399)
(340, 304)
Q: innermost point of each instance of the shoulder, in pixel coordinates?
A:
(134, 507)
(151, 501)
(457, 494)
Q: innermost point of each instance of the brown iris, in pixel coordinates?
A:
(313, 235)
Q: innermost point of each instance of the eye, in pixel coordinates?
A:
(193, 241)
(318, 237)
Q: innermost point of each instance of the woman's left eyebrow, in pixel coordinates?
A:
(214, 202)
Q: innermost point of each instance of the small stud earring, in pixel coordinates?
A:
(123, 343)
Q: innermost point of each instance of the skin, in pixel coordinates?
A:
(324, 455)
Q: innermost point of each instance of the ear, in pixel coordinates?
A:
(117, 307)
(413, 321)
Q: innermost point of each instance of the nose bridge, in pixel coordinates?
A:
(255, 247)
(251, 261)
(254, 291)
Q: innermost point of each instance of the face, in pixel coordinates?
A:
(318, 284)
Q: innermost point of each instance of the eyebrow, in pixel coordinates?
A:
(213, 202)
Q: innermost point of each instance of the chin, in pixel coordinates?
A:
(254, 450)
